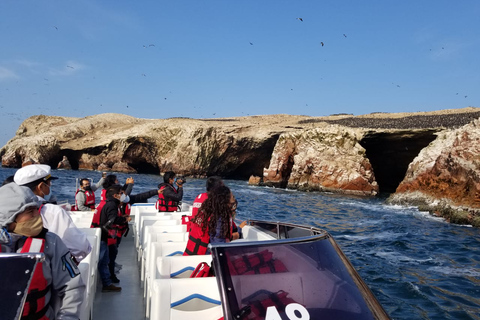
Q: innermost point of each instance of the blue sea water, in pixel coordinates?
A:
(418, 266)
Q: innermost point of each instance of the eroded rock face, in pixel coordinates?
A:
(325, 159)
(447, 171)
(286, 151)
(111, 142)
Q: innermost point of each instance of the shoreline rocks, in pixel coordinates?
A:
(425, 158)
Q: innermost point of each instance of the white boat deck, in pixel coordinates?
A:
(129, 303)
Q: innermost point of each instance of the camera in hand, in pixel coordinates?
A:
(181, 180)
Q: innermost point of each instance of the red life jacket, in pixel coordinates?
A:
(261, 300)
(35, 305)
(89, 199)
(197, 241)
(166, 205)
(257, 263)
(128, 208)
(115, 231)
(103, 196)
(96, 215)
(196, 205)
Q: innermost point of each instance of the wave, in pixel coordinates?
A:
(461, 272)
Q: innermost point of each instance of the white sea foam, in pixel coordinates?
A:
(395, 258)
(461, 272)
(386, 235)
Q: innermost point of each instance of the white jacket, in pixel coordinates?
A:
(58, 221)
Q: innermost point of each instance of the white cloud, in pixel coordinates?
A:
(6, 74)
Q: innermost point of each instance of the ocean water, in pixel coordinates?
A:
(418, 266)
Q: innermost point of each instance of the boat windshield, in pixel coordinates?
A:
(16, 270)
(294, 278)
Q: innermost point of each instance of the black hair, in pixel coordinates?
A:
(109, 181)
(7, 180)
(168, 175)
(83, 179)
(216, 208)
(32, 185)
(214, 182)
(112, 190)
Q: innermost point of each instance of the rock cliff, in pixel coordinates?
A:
(422, 158)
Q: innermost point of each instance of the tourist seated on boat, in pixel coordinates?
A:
(213, 222)
(38, 178)
(170, 197)
(85, 195)
(56, 290)
(110, 219)
(212, 182)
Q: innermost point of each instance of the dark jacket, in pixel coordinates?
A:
(109, 216)
(171, 195)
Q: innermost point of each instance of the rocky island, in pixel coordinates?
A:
(428, 159)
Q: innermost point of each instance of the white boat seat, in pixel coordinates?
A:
(158, 229)
(177, 299)
(179, 267)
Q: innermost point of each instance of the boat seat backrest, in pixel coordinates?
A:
(253, 234)
(176, 299)
(162, 249)
(157, 221)
(161, 229)
(179, 267)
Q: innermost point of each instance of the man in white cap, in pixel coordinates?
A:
(38, 178)
(56, 290)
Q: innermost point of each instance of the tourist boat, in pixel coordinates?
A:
(277, 271)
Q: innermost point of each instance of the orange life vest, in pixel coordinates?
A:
(89, 199)
(35, 305)
(163, 204)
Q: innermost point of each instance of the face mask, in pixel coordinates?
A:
(47, 196)
(124, 198)
(30, 228)
(88, 188)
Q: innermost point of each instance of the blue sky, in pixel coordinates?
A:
(223, 58)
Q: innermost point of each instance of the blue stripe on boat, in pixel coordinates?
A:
(180, 253)
(194, 296)
(181, 271)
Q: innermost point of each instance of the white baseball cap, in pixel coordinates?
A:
(33, 173)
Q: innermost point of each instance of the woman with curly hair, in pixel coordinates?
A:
(213, 222)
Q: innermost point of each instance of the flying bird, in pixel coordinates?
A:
(251, 43)
(466, 96)
(344, 35)
(322, 44)
(143, 74)
(55, 27)
(151, 45)
(70, 67)
(300, 19)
